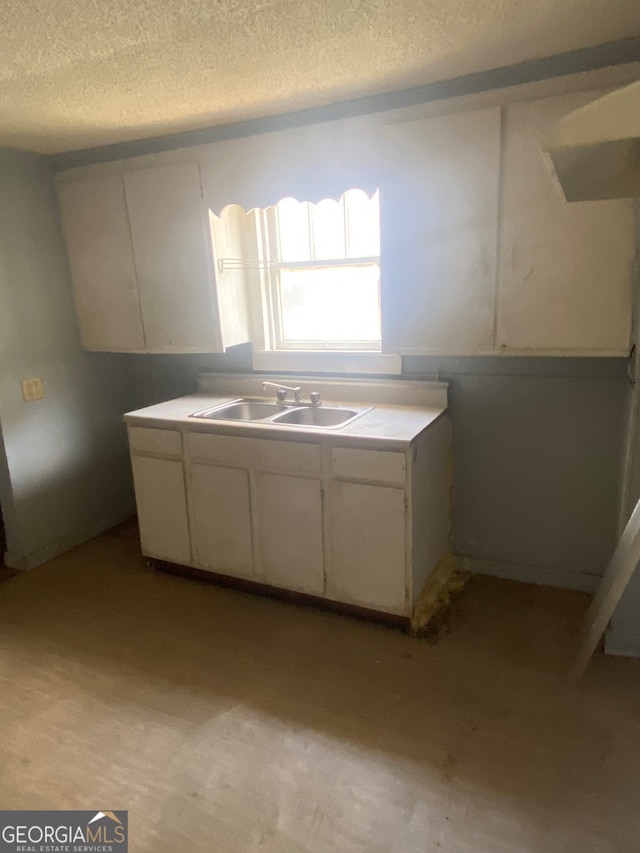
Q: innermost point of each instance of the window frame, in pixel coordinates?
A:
(270, 248)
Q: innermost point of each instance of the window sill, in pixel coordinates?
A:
(329, 361)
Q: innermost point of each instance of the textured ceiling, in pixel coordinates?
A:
(81, 74)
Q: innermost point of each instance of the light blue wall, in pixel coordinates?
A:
(64, 470)
(537, 464)
(161, 377)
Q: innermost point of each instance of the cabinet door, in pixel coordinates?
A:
(94, 218)
(162, 508)
(221, 519)
(172, 252)
(438, 230)
(564, 268)
(289, 532)
(368, 565)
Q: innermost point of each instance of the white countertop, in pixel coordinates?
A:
(395, 426)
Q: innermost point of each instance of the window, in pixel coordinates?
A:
(312, 271)
(322, 273)
(311, 277)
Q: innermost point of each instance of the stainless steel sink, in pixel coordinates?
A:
(318, 416)
(283, 414)
(243, 410)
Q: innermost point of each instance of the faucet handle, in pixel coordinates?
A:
(282, 390)
(314, 396)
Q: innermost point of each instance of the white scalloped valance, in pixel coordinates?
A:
(308, 164)
(228, 209)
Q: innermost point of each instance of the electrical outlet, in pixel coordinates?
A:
(32, 389)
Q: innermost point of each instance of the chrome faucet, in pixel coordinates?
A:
(283, 390)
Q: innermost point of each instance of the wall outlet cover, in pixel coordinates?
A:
(32, 389)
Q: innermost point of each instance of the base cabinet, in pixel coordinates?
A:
(342, 523)
(368, 554)
(162, 508)
(220, 509)
(289, 532)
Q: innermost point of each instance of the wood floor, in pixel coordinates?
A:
(225, 722)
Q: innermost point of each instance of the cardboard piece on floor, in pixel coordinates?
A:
(614, 582)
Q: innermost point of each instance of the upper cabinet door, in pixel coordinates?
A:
(564, 268)
(439, 216)
(172, 250)
(94, 217)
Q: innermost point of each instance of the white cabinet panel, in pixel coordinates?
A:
(289, 536)
(564, 269)
(255, 452)
(227, 233)
(368, 565)
(96, 229)
(221, 519)
(380, 465)
(157, 442)
(173, 258)
(162, 508)
(308, 163)
(439, 217)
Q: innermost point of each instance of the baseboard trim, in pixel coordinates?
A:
(43, 555)
(531, 574)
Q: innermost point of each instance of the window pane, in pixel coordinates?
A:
(330, 304)
(363, 224)
(327, 219)
(293, 228)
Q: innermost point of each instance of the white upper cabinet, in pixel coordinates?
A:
(480, 251)
(94, 218)
(140, 251)
(564, 268)
(227, 233)
(439, 219)
(172, 251)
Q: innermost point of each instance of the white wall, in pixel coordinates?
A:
(64, 469)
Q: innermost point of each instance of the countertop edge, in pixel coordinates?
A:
(185, 423)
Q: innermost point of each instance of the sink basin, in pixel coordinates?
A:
(291, 414)
(243, 410)
(319, 417)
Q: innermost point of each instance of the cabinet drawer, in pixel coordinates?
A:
(255, 453)
(160, 442)
(380, 465)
